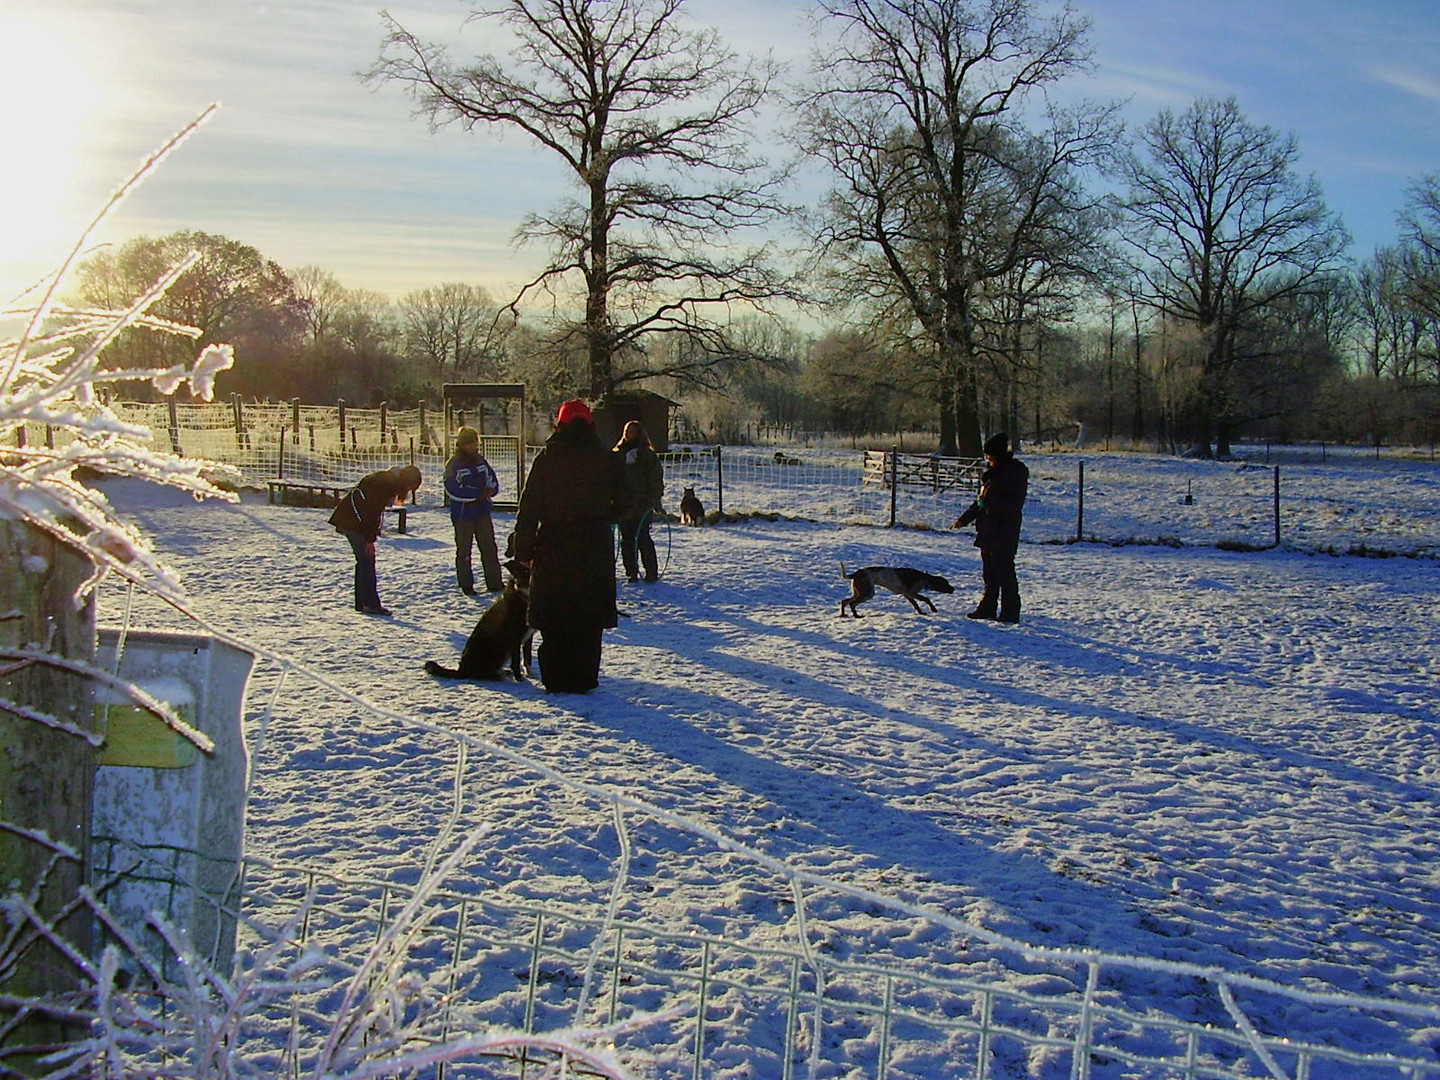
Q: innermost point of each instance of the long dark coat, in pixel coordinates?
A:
(997, 513)
(362, 510)
(562, 528)
(644, 481)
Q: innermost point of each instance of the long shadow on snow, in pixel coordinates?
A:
(821, 810)
(1051, 642)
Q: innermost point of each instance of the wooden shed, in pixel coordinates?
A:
(652, 410)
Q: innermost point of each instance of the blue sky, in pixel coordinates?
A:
(315, 168)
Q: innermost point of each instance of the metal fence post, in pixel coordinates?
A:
(1277, 505)
(1080, 507)
(719, 481)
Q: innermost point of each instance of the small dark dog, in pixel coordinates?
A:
(691, 511)
(501, 635)
(898, 579)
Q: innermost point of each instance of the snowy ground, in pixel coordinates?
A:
(1223, 758)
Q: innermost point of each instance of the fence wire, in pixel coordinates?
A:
(1247, 503)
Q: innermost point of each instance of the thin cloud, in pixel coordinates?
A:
(1413, 83)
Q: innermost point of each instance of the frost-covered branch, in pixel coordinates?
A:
(54, 376)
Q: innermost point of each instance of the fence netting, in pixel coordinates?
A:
(1246, 503)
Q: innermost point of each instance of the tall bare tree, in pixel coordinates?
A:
(353, 339)
(1225, 228)
(454, 330)
(652, 121)
(943, 182)
(1420, 247)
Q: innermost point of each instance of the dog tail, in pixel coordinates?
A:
(432, 668)
(843, 574)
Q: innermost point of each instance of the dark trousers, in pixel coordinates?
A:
(367, 586)
(635, 538)
(570, 660)
(1002, 588)
(471, 533)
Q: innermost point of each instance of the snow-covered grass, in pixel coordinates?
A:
(1194, 784)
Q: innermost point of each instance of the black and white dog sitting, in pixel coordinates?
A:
(904, 580)
(501, 635)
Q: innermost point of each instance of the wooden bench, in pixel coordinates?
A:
(320, 493)
(311, 489)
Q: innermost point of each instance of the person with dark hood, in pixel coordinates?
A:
(645, 484)
(360, 518)
(562, 532)
(470, 484)
(996, 513)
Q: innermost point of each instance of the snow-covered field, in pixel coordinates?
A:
(1194, 767)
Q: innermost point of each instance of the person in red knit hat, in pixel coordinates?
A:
(562, 532)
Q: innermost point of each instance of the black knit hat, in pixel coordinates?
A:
(997, 445)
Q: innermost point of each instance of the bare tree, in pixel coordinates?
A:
(454, 330)
(652, 121)
(1420, 248)
(1224, 229)
(353, 339)
(942, 186)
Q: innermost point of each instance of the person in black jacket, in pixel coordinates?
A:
(360, 518)
(562, 532)
(645, 484)
(996, 513)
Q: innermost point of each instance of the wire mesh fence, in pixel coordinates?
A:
(1255, 501)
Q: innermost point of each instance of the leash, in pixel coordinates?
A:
(644, 520)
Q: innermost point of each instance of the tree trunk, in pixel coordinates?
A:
(46, 775)
(967, 414)
(597, 297)
(947, 419)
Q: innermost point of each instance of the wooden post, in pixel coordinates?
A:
(239, 421)
(174, 426)
(1080, 507)
(295, 418)
(280, 458)
(46, 774)
(341, 406)
(894, 481)
(384, 410)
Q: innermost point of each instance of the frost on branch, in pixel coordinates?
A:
(54, 378)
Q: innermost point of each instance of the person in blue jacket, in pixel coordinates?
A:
(470, 485)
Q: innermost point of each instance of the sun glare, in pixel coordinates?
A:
(46, 99)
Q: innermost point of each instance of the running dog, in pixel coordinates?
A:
(904, 580)
(501, 635)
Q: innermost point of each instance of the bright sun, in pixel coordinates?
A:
(46, 100)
